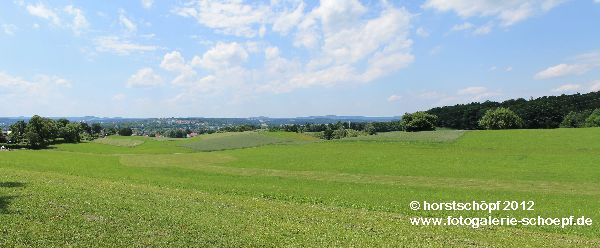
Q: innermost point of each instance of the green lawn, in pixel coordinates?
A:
(285, 189)
(227, 141)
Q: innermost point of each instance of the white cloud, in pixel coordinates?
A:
(477, 93)
(506, 12)
(9, 29)
(126, 22)
(221, 56)
(430, 95)
(144, 78)
(508, 69)
(462, 27)
(119, 97)
(38, 85)
(394, 98)
(567, 88)
(483, 30)
(40, 10)
(477, 30)
(561, 70)
(147, 3)
(226, 16)
(122, 47)
(38, 94)
(472, 91)
(422, 32)
(287, 19)
(348, 44)
(79, 22)
(435, 50)
(174, 62)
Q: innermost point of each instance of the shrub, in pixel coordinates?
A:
(500, 118)
(354, 133)
(594, 119)
(418, 121)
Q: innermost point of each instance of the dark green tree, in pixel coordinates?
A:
(40, 132)
(17, 130)
(126, 131)
(96, 129)
(594, 119)
(370, 129)
(575, 119)
(418, 121)
(62, 122)
(85, 128)
(328, 133)
(500, 118)
(71, 133)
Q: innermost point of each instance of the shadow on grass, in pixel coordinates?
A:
(12, 184)
(5, 200)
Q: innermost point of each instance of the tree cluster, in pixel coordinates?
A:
(39, 132)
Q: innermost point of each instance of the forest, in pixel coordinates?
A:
(542, 112)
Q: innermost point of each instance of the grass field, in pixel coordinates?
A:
(285, 189)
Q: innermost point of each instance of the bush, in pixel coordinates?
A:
(339, 133)
(370, 129)
(418, 121)
(328, 133)
(594, 119)
(574, 119)
(354, 133)
(500, 118)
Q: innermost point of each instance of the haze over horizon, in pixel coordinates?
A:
(289, 58)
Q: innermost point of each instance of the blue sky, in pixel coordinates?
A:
(287, 58)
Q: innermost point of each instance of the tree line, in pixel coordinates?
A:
(39, 132)
(542, 112)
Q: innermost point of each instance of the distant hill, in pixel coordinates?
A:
(542, 112)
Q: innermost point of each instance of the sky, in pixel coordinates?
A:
(289, 58)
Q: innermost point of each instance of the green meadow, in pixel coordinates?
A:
(287, 189)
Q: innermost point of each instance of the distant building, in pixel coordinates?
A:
(191, 135)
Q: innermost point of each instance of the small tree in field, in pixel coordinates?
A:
(594, 119)
(500, 118)
(418, 121)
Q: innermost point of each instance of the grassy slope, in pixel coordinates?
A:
(336, 193)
